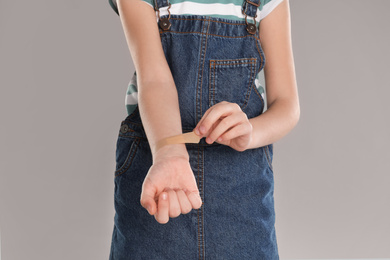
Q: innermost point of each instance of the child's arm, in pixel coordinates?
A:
(282, 95)
(227, 121)
(157, 94)
(160, 115)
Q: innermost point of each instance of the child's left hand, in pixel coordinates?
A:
(226, 124)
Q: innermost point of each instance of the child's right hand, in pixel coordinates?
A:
(170, 189)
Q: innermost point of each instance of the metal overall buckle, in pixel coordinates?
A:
(164, 23)
(251, 27)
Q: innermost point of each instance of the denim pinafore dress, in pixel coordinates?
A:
(211, 60)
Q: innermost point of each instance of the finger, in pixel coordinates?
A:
(185, 204)
(236, 131)
(194, 198)
(163, 209)
(224, 125)
(222, 109)
(205, 115)
(148, 198)
(174, 205)
(197, 129)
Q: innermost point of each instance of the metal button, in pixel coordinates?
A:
(251, 28)
(164, 23)
(124, 128)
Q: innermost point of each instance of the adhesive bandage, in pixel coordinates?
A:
(189, 137)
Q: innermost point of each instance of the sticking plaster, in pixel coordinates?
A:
(189, 137)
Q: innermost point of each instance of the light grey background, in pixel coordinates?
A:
(64, 70)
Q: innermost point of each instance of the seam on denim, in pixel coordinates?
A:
(227, 36)
(197, 79)
(200, 210)
(199, 247)
(210, 79)
(247, 95)
(258, 93)
(231, 64)
(217, 35)
(202, 196)
(204, 59)
(233, 60)
(252, 80)
(206, 19)
(220, 62)
(267, 156)
(212, 86)
(214, 68)
(130, 156)
(211, 64)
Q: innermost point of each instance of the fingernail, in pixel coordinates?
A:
(202, 129)
(164, 196)
(148, 208)
(197, 131)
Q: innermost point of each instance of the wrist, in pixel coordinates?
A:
(257, 136)
(171, 150)
(174, 145)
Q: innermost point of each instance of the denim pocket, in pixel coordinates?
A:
(231, 80)
(126, 149)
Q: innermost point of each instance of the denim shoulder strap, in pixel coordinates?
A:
(250, 7)
(160, 3)
(164, 23)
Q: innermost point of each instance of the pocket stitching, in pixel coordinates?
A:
(223, 63)
(129, 159)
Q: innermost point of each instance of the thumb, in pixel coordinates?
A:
(147, 199)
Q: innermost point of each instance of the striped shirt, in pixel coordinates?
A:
(228, 9)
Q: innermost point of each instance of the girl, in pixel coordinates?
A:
(197, 65)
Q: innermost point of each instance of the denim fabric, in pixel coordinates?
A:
(211, 60)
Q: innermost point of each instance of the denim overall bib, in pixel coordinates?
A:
(212, 60)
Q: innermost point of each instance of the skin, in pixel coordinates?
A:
(170, 188)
